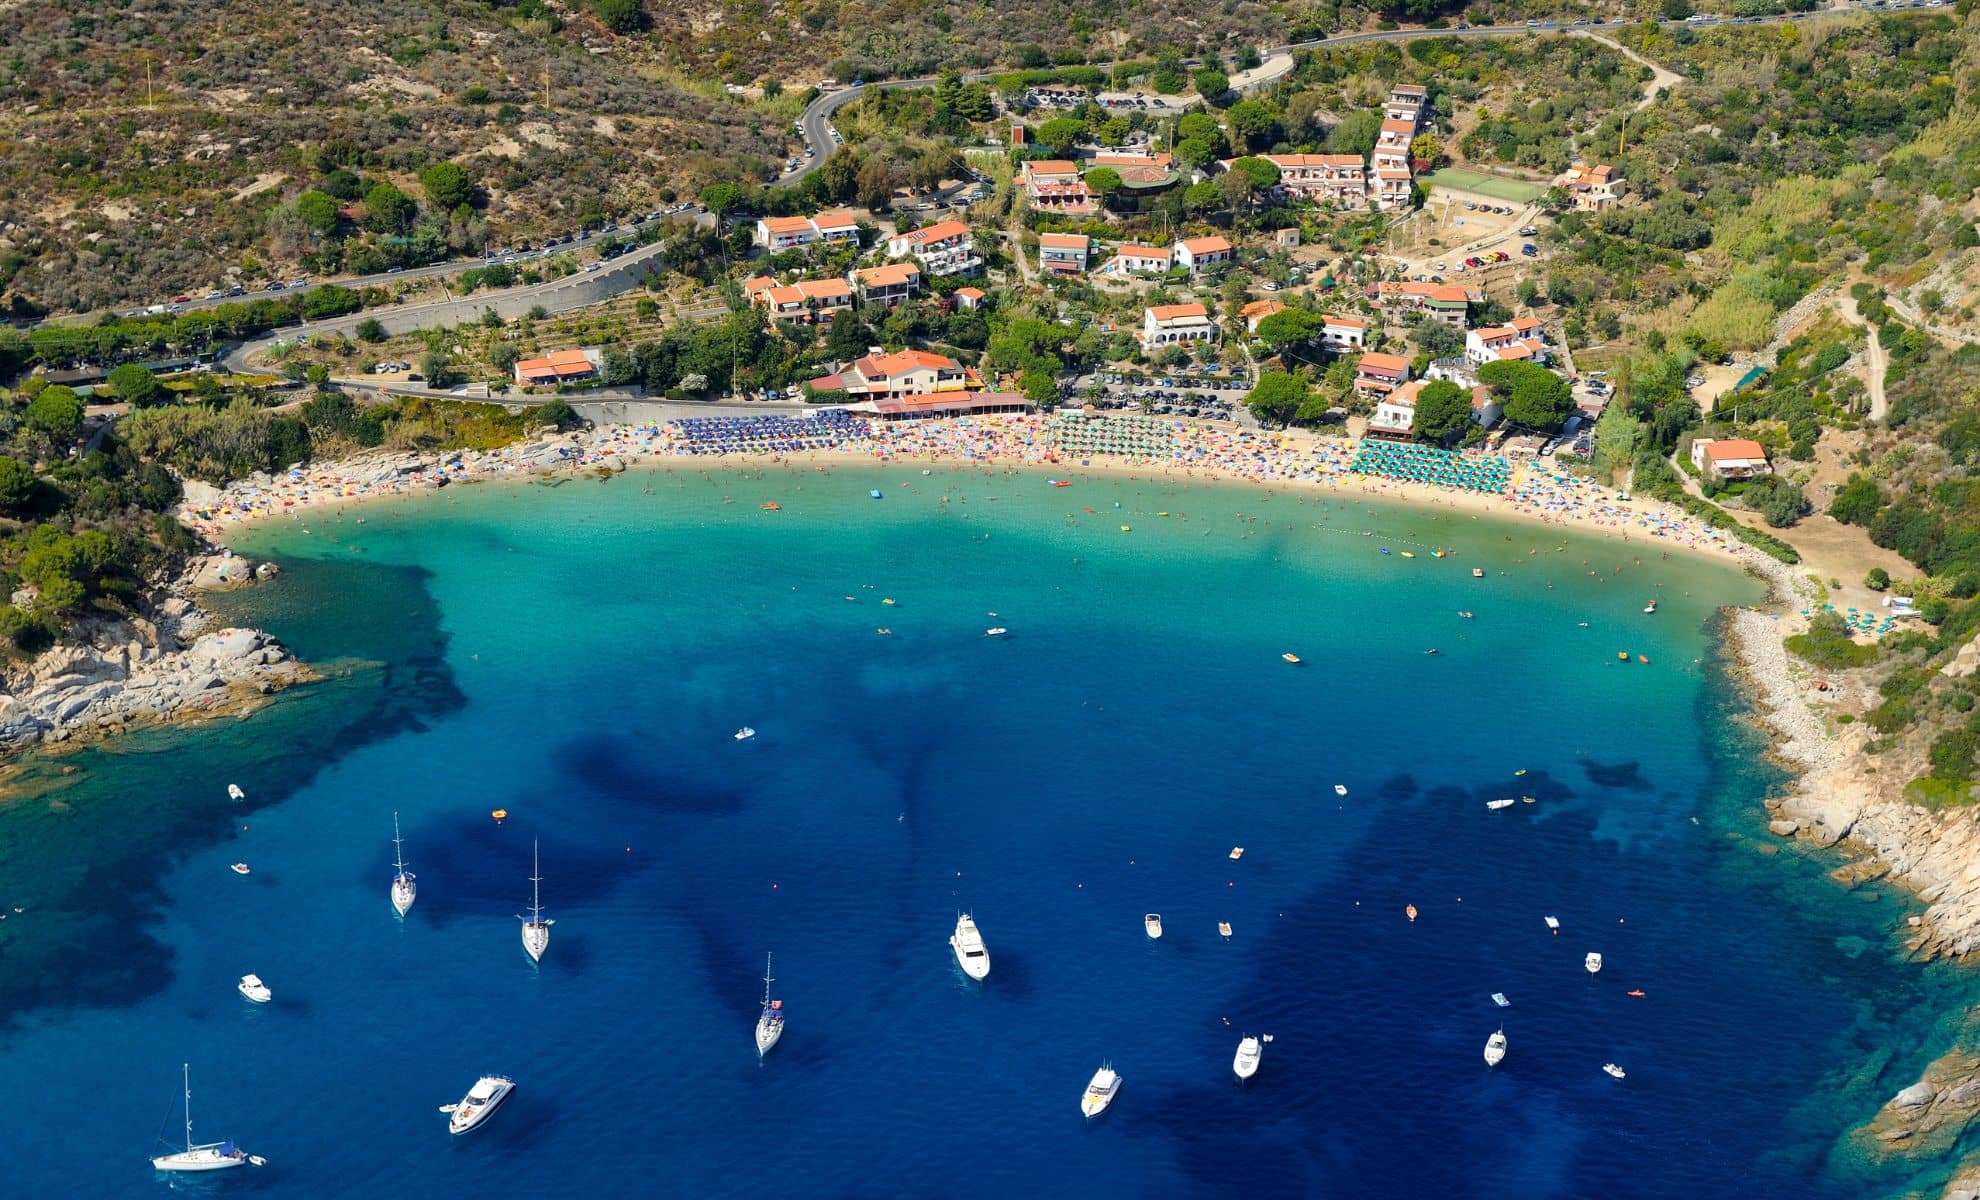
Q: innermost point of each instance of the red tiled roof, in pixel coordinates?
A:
(1728, 448)
(1205, 245)
(1171, 312)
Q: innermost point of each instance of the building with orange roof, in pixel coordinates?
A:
(1730, 458)
(1378, 374)
(559, 366)
(1064, 253)
(1133, 259)
(1591, 189)
(1257, 311)
(900, 373)
(1201, 253)
(1518, 340)
(970, 297)
(1338, 180)
(885, 285)
(944, 248)
(1174, 324)
(1439, 301)
(786, 233)
(804, 301)
(1054, 185)
(1343, 334)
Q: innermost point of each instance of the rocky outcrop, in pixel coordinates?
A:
(1929, 1116)
(162, 665)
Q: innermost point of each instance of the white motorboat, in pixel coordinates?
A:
(967, 942)
(1650, 607)
(1237, 852)
(1614, 1071)
(1553, 923)
(213, 1156)
(1100, 1092)
(1224, 928)
(255, 990)
(535, 930)
(1340, 789)
(745, 733)
(234, 792)
(1499, 998)
(1152, 922)
(770, 1022)
(489, 1093)
(1250, 1052)
(404, 885)
(995, 631)
(1495, 1048)
(1495, 805)
(240, 868)
(1593, 962)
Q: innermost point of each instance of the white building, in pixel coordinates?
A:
(1174, 324)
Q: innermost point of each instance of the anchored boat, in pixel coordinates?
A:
(1100, 1092)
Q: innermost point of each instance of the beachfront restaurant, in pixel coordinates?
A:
(946, 404)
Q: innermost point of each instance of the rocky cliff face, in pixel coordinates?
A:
(144, 669)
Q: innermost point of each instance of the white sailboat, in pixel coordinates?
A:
(769, 1023)
(535, 930)
(971, 954)
(1495, 1048)
(1250, 1052)
(1593, 962)
(213, 1156)
(404, 889)
(1100, 1091)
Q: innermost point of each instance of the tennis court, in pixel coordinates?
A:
(1518, 191)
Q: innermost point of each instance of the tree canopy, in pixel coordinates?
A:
(1443, 411)
(136, 386)
(447, 185)
(1534, 396)
(1277, 396)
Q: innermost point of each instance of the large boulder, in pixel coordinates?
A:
(226, 645)
(1917, 1094)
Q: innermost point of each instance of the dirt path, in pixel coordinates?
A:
(1879, 361)
(1661, 80)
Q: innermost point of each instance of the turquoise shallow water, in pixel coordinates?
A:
(580, 654)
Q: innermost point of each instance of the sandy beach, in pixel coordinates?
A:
(1198, 452)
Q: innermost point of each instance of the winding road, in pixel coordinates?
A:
(815, 123)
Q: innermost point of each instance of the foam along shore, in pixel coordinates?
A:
(164, 664)
(1189, 450)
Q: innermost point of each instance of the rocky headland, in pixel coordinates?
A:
(164, 663)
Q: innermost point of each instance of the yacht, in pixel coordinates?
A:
(255, 990)
(1593, 962)
(1495, 1048)
(1152, 922)
(1495, 805)
(1100, 1092)
(404, 889)
(968, 945)
(745, 733)
(489, 1093)
(1249, 1052)
(769, 1023)
(1614, 1071)
(535, 930)
(213, 1156)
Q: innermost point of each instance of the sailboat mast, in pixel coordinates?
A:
(535, 885)
(186, 1069)
(766, 981)
(398, 847)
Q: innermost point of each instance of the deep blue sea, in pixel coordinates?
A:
(580, 655)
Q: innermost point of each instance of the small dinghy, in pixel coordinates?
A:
(240, 868)
(1409, 910)
(745, 733)
(1499, 998)
(1478, 572)
(875, 493)
(234, 792)
(1650, 607)
(1152, 922)
(1553, 923)
(1237, 852)
(1291, 658)
(995, 631)
(1224, 928)
(1495, 1048)
(1340, 789)
(255, 990)
(1613, 1071)
(1593, 962)
(1495, 805)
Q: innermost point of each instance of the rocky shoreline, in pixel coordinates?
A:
(163, 664)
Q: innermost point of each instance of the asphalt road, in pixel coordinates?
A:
(817, 117)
